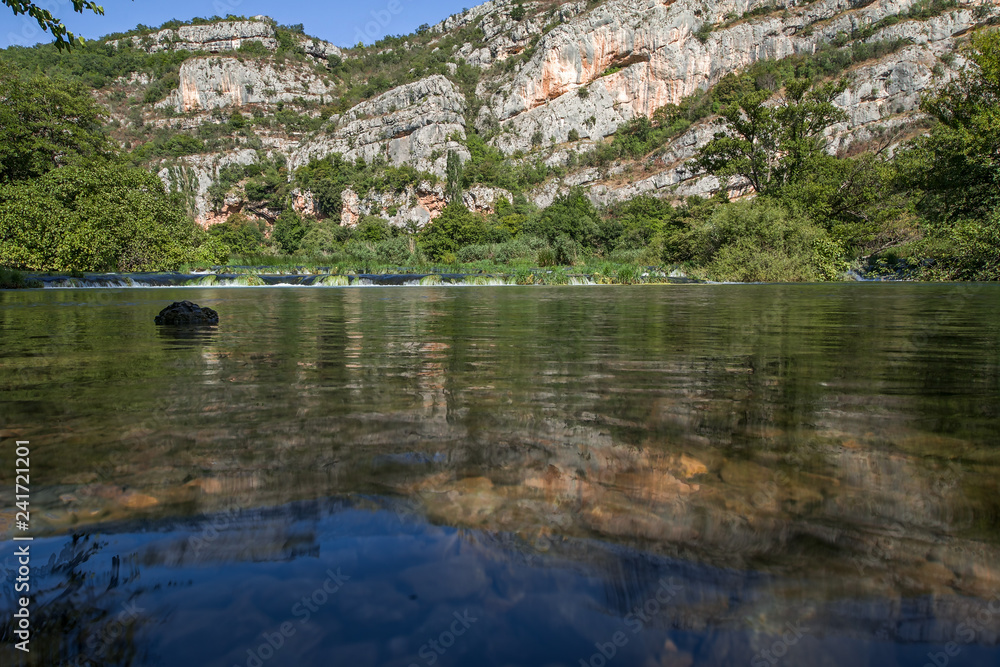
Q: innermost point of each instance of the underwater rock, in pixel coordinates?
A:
(185, 313)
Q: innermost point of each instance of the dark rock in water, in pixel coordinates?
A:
(185, 313)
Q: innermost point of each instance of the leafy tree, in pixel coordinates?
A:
(45, 124)
(62, 37)
(768, 145)
(855, 200)
(456, 227)
(241, 235)
(571, 215)
(954, 171)
(94, 216)
(373, 229)
(289, 230)
(324, 237)
(957, 167)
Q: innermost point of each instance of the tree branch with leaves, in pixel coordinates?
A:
(767, 144)
(62, 37)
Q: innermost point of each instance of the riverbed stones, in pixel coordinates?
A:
(185, 313)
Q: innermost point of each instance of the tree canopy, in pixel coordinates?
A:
(62, 37)
(768, 144)
(45, 125)
(68, 200)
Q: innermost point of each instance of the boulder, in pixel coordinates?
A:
(185, 313)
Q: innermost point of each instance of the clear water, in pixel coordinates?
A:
(669, 475)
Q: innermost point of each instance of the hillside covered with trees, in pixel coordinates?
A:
(238, 141)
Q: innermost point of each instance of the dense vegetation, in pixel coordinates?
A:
(68, 200)
(72, 199)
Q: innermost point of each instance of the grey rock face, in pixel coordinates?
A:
(185, 313)
(214, 37)
(415, 206)
(221, 81)
(410, 124)
(195, 174)
(504, 37)
(590, 70)
(482, 199)
(634, 56)
(225, 36)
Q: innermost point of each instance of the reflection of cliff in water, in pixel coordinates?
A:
(806, 434)
(731, 612)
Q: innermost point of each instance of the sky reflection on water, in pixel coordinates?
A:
(637, 476)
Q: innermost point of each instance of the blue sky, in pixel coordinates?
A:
(343, 23)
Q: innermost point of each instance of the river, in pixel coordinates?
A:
(668, 475)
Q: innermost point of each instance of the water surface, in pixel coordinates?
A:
(653, 475)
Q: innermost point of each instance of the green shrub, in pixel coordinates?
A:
(572, 215)
(455, 228)
(241, 235)
(289, 230)
(397, 251)
(11, 279)
(374, 229)
(760, 241)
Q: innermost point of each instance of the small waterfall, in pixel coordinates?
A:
(521, 276)
(243, 281)
(93, 283)
(485, 281)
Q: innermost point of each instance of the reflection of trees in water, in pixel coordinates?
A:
(81, 614)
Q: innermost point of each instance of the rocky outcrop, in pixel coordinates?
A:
(212, 37)
(567, 74)
(482, 199)
(185, 313)
(504, 36)
(193, 175)
(212, 82)
(304, 203)
(627, 58)
(225, 36)
(416, 124)
(415, 206)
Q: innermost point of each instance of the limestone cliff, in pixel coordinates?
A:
(221, 81)
(553, 80)
(415, 124)
(224, 36)
(632, 57)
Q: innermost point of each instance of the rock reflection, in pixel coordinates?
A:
(187, 336)
(405, 577)
(791, 439)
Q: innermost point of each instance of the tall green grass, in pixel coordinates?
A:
(13, 279)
